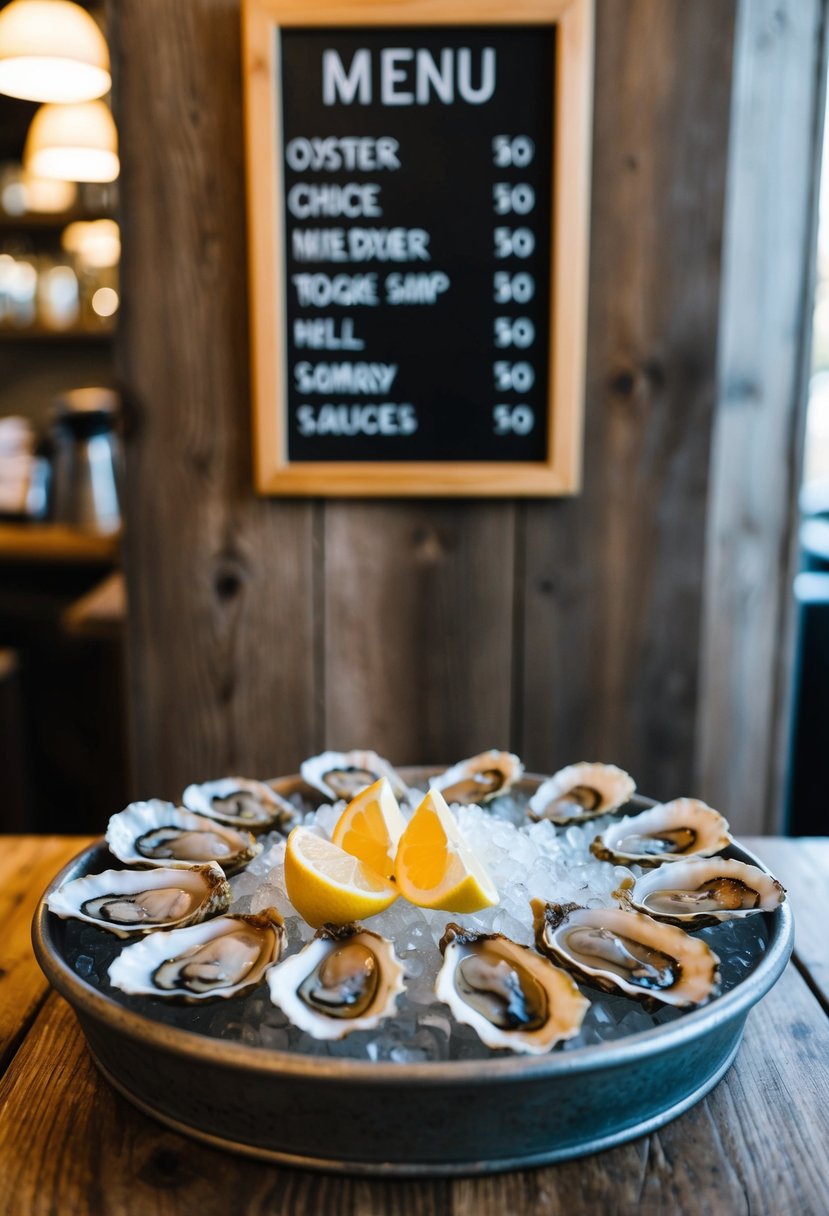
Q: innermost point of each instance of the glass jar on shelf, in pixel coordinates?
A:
(58, 295)
(18, 289)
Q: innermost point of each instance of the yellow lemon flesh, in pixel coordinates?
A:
(326, 885)
(434, 868)
(371, 826)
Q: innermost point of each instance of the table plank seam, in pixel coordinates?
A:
(811, 983)
(10, 1049)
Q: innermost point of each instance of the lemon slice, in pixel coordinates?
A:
(434, 868)
(371, 826)
(326, 885)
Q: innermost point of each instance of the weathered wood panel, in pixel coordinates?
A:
(260, 629)
(220, 582)
(777, 119)
(613, 578)
(419, 628)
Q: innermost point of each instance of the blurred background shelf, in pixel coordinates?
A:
(38, 334)
(101, 613)
(47, 222)
(55, 543)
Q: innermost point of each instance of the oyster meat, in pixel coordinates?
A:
(218, 958)
(241, 803)
(344, 774)
(627, 952)
(702, 891)
(480, 778)
(581, 791)
(157, 833)
(507, 993)
(669, 832)
(347, 978)
(133, 902)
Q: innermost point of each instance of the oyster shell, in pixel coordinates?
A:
(344, 774)
(133, 902)
(218, 958)
(627, 952)
(581, 791)
(157, 833)
(669, 832)
(702, 891)
(241, 803)
(347, 978)
(479, 778)
(507, 993)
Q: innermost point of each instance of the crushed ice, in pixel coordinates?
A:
(526, 860)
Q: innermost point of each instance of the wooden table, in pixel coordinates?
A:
(759, 1144)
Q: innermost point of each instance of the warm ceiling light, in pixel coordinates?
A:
(96, 243)
(76, 143)
(52, 50)
(105, 302)
(45, 194)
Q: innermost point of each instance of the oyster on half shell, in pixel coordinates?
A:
(133, 902)
(480, 778)
(627, 952)
(241, 803)
(218, 958)
(702, 891)
(669, 832)
(347, 978)
(508, 994)
(157, 833)
(343, 774)
(581, 791)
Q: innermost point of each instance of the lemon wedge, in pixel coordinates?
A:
(434, 868)
(371, 826)
(326, 885)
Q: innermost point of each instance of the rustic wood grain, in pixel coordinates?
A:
(219, 582)
(764, 340)
(70, 1143)
(27, 866)
(612, 591)
(778, 1153)
(802, 865)
(756, 1145)
(418, 628)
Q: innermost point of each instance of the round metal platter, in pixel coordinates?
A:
(438, 1118)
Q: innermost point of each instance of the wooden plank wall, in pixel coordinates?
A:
(777, 124)
(262, 630)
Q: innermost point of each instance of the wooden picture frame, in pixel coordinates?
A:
(560, 472)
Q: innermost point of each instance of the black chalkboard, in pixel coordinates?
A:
(417, 324)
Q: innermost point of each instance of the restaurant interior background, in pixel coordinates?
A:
(672, 617)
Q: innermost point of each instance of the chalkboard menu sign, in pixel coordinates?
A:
(418, 236)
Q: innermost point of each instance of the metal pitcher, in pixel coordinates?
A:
(87, 460)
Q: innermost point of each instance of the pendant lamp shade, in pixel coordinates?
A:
(52, 50)
(76, 143)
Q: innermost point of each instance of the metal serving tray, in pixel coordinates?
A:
(440, 1118)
